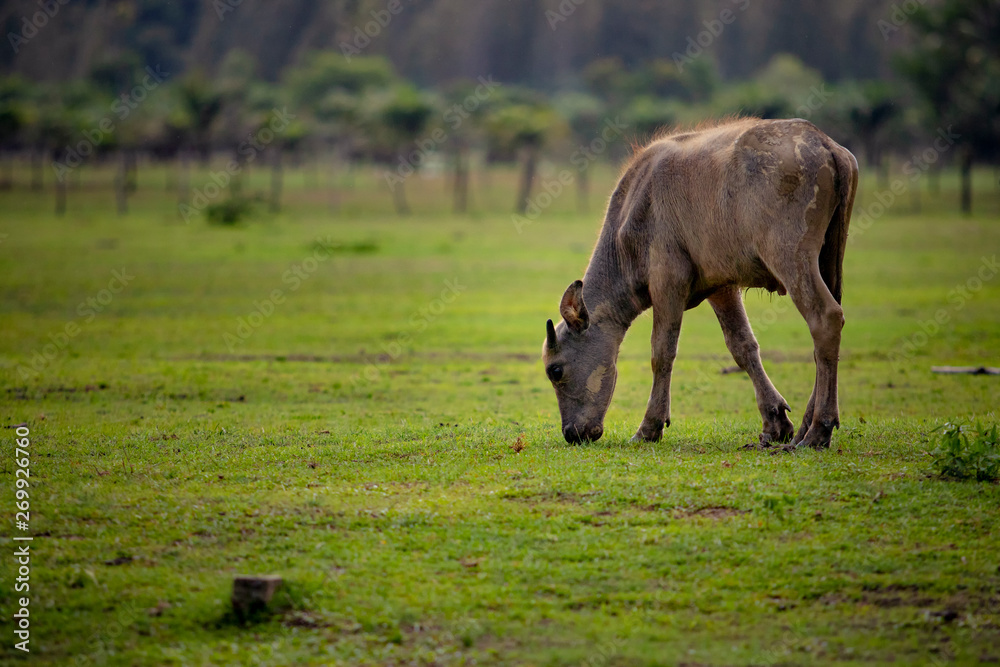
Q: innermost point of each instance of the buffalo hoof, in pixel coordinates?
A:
(777, 426)
(818, 436)
(650, 432)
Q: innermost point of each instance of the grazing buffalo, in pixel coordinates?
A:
(702, 215)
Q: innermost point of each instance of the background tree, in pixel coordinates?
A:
(955, 65)
(522, 128)
(14, 96)
(59, 124)
(779, 90)
(608, 80)
(235, 84)
(465, 107)
(326, 91)
(871, 106)
(291, 139)
(404, 114)
(198, 107)
(163, 128)
(171, 131)
(584, 115)
(202, 102)
(647, 115)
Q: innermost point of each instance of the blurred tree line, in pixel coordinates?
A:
(342, 104)
(531, 42)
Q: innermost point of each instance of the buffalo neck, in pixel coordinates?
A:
(609, 289)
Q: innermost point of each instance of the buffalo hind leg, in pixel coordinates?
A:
(825, 318)
(728, 306)
(807, 416)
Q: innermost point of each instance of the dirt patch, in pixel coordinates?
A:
(312, 621)
(771, 448)
(309, 358)
(120, 560)
(944, 608)
(360, 358)
(533, 497)
(597, 519)
(21, 393)
(775, 356)
(716, 512)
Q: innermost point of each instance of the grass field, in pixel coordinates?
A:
(339, 398)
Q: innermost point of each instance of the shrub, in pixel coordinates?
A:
(966, 453)
(230, 211)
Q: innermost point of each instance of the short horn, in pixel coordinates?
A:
(550, 335)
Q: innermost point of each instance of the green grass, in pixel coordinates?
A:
(359, 441)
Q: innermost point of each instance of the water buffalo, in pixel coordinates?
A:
(702, 215)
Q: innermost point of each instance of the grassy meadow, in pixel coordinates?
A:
(355, 401)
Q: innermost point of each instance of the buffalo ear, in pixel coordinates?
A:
(550, 336)
(573, 309)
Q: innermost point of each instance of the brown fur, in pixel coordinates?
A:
(682, 132)
(700, 214)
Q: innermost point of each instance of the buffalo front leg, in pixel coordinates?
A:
(728, 306)
(667, 315)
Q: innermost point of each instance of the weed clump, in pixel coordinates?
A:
(230, 211)
(966, 453)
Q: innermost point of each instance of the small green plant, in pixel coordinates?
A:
(774, 506)
(230, 211)
(966, 453)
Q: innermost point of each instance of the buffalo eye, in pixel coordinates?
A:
(555, 373)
